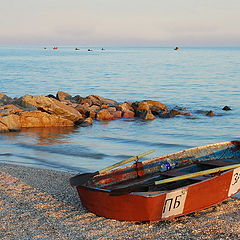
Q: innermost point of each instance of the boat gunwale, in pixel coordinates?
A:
(166, 157)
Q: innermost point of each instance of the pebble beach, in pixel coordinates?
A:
(39, 203)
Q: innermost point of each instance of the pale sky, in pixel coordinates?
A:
(120, 22)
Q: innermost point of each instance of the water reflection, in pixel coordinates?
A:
(44, 136)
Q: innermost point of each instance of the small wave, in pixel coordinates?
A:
(141, 142)
(6, 154)
(69, 150)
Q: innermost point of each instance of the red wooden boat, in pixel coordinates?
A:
(164, 187)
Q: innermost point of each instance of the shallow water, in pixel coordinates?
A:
(200, 79)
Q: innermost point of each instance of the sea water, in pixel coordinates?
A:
(196, 78)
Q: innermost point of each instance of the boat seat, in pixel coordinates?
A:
(217, 163)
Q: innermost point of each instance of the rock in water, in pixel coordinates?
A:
(226, 108)
(10, 123)
(210, 114)
(52, 106)
(43, 119)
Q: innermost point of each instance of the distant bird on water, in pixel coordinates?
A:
(176, 48)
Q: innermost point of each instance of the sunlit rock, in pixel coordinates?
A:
(9, 109)
(63, 96)
(104, 115)
(42, 119)
(128, 114)
(126, 106)
(52, 106)
(10, 123)
(210, 114)
(98, 100)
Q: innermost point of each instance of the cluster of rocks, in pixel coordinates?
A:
(64, 110)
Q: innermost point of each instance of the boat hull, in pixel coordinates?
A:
(155, 206)
(164, 203)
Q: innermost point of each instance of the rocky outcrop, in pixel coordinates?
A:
(145, 109)
(52, 106)
(42, 119)
(64, 110)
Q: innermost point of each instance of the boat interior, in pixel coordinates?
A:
(147, 183)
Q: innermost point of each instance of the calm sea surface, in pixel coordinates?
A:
(200, 79)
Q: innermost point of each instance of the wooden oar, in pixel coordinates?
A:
(196, 174)
(126, 190)
(83, 178)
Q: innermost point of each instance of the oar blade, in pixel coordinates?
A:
(81, 178)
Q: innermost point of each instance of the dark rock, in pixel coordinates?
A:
(83, 109)
(76, 99)
(51, 96)
(180, 108)
(9, 109)
(19, 102)
(84, 122)
(4, 99)
(145, 115)
(170, 114)
(226, 108)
